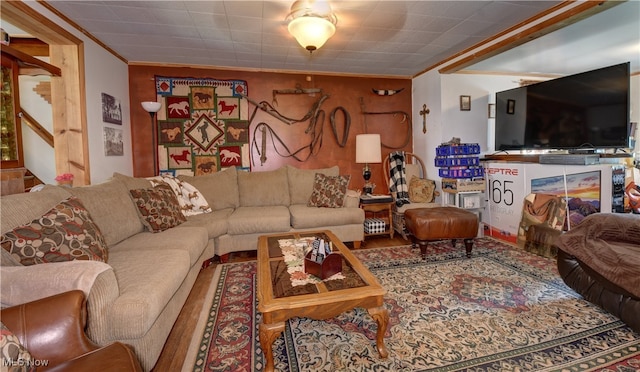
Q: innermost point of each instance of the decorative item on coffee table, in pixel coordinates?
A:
(322, 261)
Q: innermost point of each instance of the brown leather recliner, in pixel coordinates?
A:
(599, 259)
(52, 330)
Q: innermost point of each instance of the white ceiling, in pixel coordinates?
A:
(604, 39)
(389, 38)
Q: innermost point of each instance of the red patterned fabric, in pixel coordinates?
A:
(64, 233)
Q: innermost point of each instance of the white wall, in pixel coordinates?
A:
(39, 157)
(442, 94)
(103, 73)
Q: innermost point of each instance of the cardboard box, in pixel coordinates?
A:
(454, 185)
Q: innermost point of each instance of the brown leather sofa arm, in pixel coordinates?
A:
(51, 328)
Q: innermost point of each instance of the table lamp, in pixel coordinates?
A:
(368, 151)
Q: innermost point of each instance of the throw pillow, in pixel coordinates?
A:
(65, 233)
(421, 190)
(158, 207)
(329, 191)
(191, 200)
(14, 356)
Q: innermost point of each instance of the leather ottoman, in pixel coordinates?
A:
(431, 224)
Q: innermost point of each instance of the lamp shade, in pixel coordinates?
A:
(311, 32)
(368, 148)
(151, 106)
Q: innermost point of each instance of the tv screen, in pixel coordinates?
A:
(589, 110)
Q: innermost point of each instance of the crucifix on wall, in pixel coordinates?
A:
(425, 111)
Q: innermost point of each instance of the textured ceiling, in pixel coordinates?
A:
(392, 38)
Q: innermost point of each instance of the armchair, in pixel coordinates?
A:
(52, 331)
(414, 166)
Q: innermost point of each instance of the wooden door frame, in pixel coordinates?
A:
(68, 92)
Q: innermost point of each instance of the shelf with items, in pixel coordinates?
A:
(459, 161)
(378, 218)
(473, 200)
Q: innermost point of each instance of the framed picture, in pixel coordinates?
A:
(511, 106)
(492, 110)
(113, 144)
(111, 109)
(465, 103)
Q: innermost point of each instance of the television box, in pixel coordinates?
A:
(453, 185)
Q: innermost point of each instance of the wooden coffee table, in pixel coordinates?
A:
(279, 301)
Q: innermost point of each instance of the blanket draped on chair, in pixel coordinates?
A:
(398, 178)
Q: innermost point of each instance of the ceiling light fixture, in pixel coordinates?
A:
(312, 23)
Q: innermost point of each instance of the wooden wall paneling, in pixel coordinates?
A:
(69, 113)
(343, 91)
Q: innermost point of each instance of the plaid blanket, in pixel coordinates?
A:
(398, 178)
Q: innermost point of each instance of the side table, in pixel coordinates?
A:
(375, 208)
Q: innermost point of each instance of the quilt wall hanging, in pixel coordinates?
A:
(203, 125)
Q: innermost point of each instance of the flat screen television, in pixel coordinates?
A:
(586, 111)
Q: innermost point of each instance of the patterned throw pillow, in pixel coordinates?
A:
(191, 200)
(421, 190)
(158, 207)
(14, 356)
(64, 233)
(328, 191)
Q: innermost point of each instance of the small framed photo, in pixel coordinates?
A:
(113, 143)
(511, 106)
(465, 103)
(111, 109)
(492, 110)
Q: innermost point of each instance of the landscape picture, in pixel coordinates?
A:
(582, 192)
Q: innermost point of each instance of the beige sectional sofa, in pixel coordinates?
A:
(136, 296)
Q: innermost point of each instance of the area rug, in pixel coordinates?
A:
(503, 309)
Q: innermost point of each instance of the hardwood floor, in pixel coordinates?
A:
(177, 344)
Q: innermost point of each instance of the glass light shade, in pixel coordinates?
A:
(368, 148)
(311, 32)
(151, 106)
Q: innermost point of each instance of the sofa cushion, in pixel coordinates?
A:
(301, 182)
(64, 233)
(132, 183)
(329, 191)
(303, 217)
(15, 357)
(111, 208)
(421, 190)
(191, 200)
(251, 220)
(147, 282)
(192, 240)
(215, 223)
(158, 207)
(262, 189)
(18, 209)
(220, 189)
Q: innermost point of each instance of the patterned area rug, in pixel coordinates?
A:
(501, 310)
